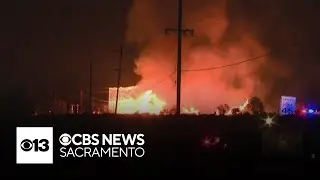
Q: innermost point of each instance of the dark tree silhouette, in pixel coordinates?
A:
(223, 109)
(235, 111)
(256, 105)
(226, 107)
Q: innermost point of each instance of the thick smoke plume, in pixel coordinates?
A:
(209, 47)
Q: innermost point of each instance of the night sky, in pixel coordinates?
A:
(46, 45)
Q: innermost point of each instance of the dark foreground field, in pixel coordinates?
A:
(174, 146)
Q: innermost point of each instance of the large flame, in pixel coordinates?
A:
(241, 108)
(132, 102)
(215, 44)
(191, 110)
(145, 103)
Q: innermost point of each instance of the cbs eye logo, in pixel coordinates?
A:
(37, 145)
(65, 139)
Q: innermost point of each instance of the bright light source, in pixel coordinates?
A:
(268, 121)
(311, 111)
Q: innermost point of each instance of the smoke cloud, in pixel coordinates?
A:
(216, 42)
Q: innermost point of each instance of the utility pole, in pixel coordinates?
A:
(180, 32)
(81, 102)
(90, 88)
(119, 79)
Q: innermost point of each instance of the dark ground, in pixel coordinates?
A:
(174, 146)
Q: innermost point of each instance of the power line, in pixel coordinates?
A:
(154, 84)
(161, 80)
(228, 65)
(207, 69)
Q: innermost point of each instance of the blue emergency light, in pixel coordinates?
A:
(311, 111)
